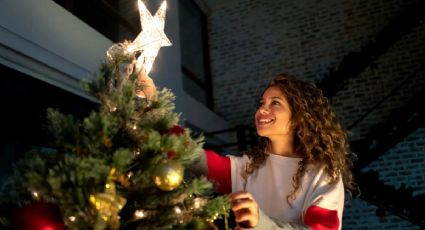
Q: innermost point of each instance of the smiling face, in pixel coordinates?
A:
(273, 116)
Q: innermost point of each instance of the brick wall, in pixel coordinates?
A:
(251, 41)
(403, 165)
(400, 63)
(400, 166)
(359, 214)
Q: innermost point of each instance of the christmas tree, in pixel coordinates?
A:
(123, 166)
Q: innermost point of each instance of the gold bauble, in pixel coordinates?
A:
(168, 175)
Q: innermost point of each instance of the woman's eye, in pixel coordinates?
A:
(275, 103)
(260, 104)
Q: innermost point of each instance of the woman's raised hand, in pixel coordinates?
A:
(148, 89)
(245, 208)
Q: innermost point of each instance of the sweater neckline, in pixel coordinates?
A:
(282, 156)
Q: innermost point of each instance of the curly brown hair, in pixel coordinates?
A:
(318, 136)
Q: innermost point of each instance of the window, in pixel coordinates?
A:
(194, 52)
(103, 16)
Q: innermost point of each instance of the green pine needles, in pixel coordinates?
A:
(100, 172)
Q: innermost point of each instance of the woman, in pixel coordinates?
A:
(295, 177)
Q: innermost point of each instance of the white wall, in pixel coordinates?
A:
(167, 73)
(43, 40)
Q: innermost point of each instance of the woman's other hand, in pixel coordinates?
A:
(148, 89)
(245, 208)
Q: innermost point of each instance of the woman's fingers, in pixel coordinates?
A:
(245, 209)
(245, 214)
(149, 89)
(240, 194)
(243, 203)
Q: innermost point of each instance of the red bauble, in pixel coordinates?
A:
(171, 154)
(176, 130)
(39, 216)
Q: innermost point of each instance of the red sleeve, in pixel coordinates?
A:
(318, 218)
(219, 171)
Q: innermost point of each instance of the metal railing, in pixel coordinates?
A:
(245, 138)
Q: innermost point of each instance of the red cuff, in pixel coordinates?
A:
(219, 171)
(318, 218)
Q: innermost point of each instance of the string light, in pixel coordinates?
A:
(177, 210)
(35, 195)
(113, 109)
(213, 218)
(197, 203)
(72, 218)
(139, 214)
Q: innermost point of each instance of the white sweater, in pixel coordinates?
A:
(272, 182)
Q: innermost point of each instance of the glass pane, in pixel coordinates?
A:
(192, 40)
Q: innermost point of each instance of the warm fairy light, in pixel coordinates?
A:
(35, 195)
(197, 203)
(213, 218)
(134, 127)
(177, 210)
(152, 37)
(139, 214)
(72, 218)
(216, 215)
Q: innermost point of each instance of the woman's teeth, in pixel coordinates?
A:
(265, 121)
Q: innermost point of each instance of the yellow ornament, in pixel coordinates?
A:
(108, 204)
(168, 175)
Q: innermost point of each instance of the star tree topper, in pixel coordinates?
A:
(152, 37)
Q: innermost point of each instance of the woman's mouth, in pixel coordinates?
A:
(265, 121)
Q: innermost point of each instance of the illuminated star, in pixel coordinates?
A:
(152, 37)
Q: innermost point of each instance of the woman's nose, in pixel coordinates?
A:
(264, 109)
